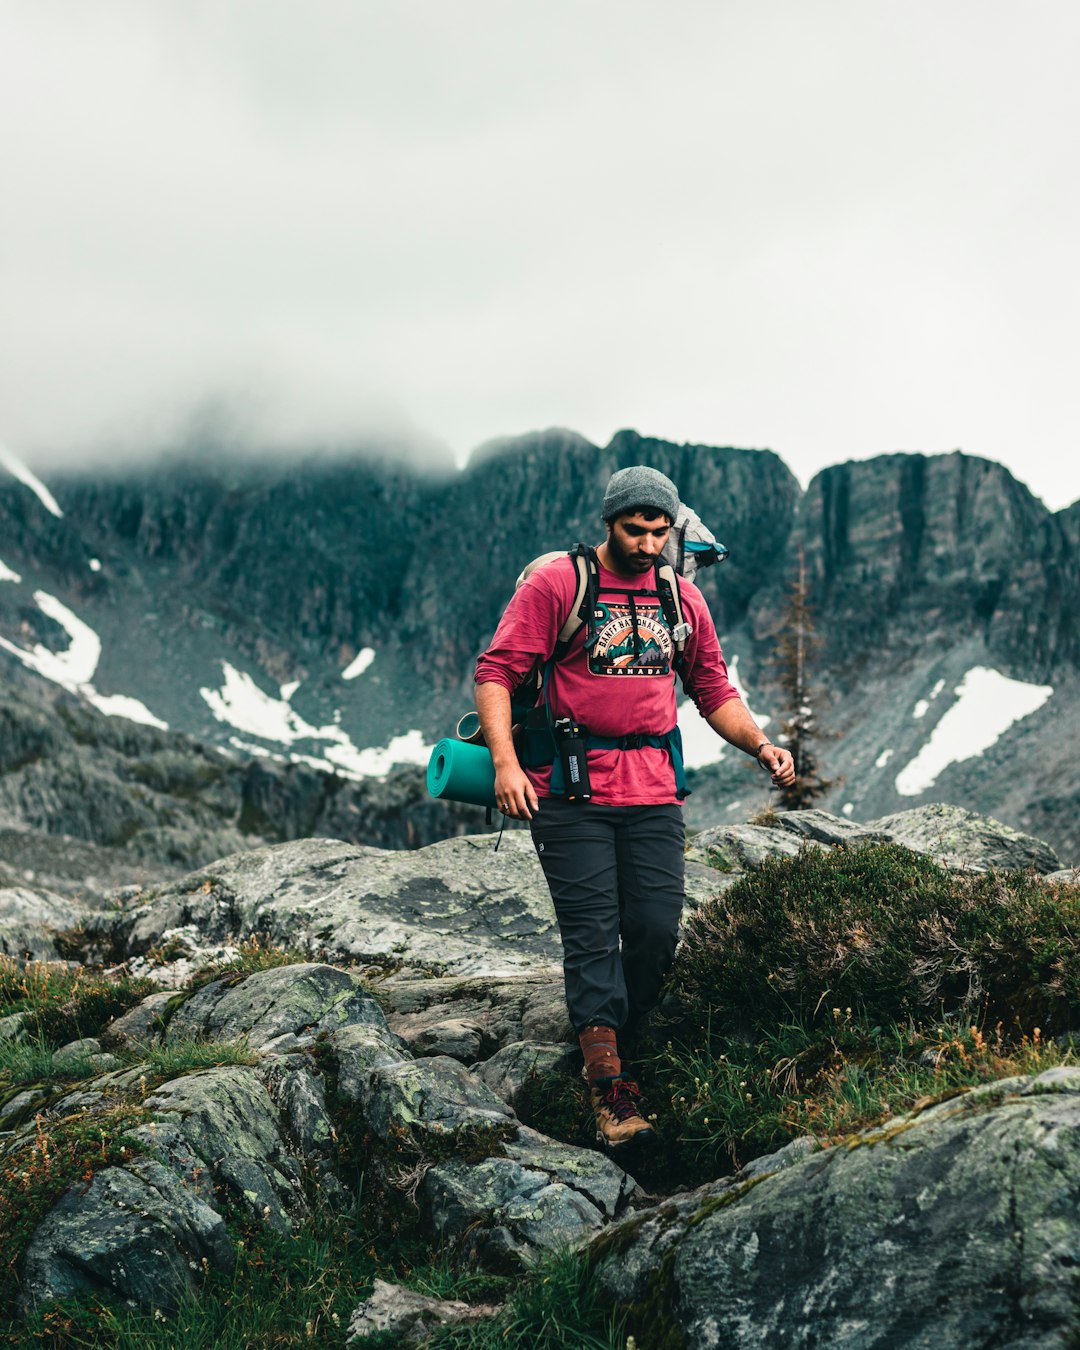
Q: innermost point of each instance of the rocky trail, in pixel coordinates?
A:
(418, 1015)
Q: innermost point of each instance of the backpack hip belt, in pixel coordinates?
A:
(537, 749)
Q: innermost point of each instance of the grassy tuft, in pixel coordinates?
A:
(62, 1004)
(171, 1060)
(253, 953)
(32, 1061)
(552, 1307)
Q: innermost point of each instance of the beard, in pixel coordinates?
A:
(631, 564)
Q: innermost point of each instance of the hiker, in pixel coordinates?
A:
(609, 832)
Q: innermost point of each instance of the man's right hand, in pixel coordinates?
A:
(515, 796)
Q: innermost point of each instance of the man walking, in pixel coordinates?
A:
(613, 862)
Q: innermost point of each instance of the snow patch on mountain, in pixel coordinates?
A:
(987, 705)
(74, 668)
(6, 574)
(701, 745)
(883, 758)
(240, 703)
(923, 706)
(359, 664)
(18, 470)
(375, 761)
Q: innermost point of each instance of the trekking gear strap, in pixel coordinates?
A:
(540, 754)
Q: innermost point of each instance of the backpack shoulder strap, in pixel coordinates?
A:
(667, 587)
(588, 583)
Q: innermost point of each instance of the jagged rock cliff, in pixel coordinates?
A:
(231, 598)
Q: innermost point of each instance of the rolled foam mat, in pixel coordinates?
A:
(461, 773)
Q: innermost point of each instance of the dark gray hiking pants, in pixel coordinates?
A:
(616, 879)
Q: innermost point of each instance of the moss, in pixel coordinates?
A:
(720, 861)
(650, 1319)
(725, 1199)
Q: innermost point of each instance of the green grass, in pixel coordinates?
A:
(728, 1101)
(32, 1061)
(178, 1057)
(553, 1307)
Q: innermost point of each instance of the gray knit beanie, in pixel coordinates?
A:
(640, 486)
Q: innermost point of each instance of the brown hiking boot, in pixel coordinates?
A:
(616, 1104)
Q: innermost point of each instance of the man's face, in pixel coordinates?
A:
(635, 541)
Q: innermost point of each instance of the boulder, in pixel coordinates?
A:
(30, 918)
(410, 1317)
(83, 1058)
(455, 906)
(508, 1071)
(136, 1232)
(825, 828)
(307, 997)
(471, 1018)
(359, 1051)
(959, 838)
(430, 1102)
(19, 1106)
(226, 1116)
(143, 1025)
(951, 1226)
(537, 1197)
(741, 848)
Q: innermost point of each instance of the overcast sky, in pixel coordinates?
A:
(832, 229)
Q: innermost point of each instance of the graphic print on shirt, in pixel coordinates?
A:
(631, 640)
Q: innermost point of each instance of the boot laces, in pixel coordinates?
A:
(623, 1098)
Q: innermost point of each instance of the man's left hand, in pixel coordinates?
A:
(779, 763)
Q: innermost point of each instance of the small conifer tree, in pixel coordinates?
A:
(796, 646)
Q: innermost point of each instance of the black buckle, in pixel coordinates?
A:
(634, 742)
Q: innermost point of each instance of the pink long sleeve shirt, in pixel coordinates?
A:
(624, 688)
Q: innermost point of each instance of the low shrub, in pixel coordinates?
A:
(826, 992)
(888, 933)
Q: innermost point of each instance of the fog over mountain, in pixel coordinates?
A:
(838, 232)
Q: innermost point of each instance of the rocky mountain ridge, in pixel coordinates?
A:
(230, 600)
